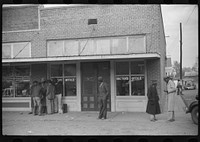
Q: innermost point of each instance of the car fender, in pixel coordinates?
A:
(191, 106)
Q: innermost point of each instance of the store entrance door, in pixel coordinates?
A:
(89, 84)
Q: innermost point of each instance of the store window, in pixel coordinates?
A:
(66, 75)
(16, 50)
(70, 79)
(56, 70)
(130, 79)
(16, 81)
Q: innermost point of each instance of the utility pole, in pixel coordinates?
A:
(180, 51)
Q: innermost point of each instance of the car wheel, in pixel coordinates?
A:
(195, 115)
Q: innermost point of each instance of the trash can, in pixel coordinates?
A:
(64, 108)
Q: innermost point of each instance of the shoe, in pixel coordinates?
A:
(103, 118)
(171, 120)
(153, 120)
(30, 113)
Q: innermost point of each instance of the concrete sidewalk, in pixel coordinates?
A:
(86, 123)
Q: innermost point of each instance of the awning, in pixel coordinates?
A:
(84, 57)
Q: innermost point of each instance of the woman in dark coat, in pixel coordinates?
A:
(153, 106)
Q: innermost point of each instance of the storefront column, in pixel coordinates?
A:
(78, 84)
(112, 86)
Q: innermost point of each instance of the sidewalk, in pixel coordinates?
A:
(86, 123)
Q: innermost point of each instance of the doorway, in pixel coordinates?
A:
(89, 84)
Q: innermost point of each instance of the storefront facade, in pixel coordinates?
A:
(125, 47)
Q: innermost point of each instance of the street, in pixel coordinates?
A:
(86, 123)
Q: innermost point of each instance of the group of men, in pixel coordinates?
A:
(46, 97)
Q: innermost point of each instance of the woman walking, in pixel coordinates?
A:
(153, 106)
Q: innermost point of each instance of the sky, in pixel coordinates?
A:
(173, 15)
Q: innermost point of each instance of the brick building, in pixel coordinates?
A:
(125, 44)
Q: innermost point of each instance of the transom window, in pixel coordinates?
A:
(16, 50)
(130, 79)
(97, 46)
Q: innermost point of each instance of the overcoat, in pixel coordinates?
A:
(171, 95)
(153, 106)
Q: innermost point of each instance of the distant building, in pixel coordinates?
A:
(169, 70)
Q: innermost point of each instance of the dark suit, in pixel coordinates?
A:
(103, 96)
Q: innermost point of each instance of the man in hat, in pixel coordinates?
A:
(153, 106)
(103, 96)
(35, 93)
(171, 92)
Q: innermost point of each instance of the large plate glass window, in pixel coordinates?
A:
(16, 81)
(130, 79)
(70, 79)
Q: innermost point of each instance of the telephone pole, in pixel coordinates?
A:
(180, 51)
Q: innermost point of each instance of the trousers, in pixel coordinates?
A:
(50, 106)
(103, 107)
(37, 105)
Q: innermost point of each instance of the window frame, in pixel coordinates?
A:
(63, 77)
(14, 81)
(130, 75)
(12, 44)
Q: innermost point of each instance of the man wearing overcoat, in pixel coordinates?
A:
(103, 97)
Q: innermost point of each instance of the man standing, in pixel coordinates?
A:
(171, 92)
(43, 94)
(103, 96)
(50, 95)
(58, 95)
(153, 106)
(35, 93)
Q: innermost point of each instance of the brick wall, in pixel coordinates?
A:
(20, 18)
(113, 20)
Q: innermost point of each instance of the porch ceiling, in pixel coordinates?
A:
(84, 57)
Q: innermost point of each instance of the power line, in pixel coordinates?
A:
(183, 27)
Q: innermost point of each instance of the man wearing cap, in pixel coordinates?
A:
(103, 96)
(171, 92)
(153, 106)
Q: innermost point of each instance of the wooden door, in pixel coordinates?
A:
(89, 84)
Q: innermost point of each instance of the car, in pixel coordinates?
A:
(193, 109)
(190, 86)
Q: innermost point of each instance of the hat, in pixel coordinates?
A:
(100, 78)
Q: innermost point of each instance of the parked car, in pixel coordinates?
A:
(190, 86)
(193, 109)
